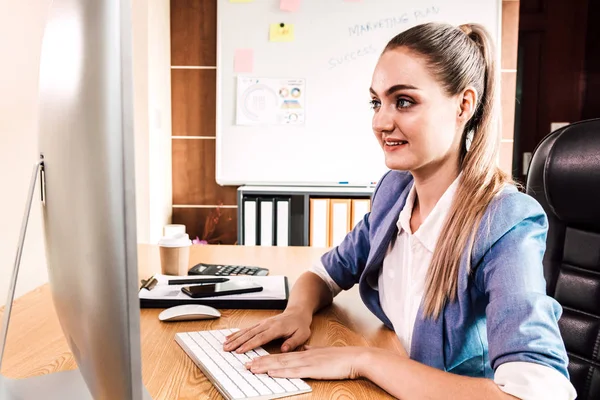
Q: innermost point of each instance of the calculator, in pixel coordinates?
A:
(226, 270)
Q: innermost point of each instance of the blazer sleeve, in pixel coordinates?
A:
(346, 262)
(522, 321)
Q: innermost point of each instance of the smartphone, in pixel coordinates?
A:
(221, 289)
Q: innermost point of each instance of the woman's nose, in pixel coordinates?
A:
(383, 121)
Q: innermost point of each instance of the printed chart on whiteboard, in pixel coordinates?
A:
(270, 101)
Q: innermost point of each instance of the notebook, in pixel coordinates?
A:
(274, 295)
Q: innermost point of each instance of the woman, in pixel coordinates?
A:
(450, 256)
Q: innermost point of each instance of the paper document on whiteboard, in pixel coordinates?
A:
(270, 101)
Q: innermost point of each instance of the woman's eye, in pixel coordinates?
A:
(374, 104)
(403, 103)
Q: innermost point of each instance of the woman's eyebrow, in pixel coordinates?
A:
(395, 88)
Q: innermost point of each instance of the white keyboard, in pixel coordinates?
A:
(227, 370)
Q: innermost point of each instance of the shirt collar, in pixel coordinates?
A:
(430, 229)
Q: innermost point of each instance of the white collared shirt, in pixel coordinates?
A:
(401, 286)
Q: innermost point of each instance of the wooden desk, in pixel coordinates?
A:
(36, 344)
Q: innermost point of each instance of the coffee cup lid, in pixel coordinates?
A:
(175, 240)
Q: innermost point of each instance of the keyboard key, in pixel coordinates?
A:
(255, 382)
(242, 357)
(261, 352)
(300, 384)
(271, 384)
(286, 384)
(248, 390)
(220, 336)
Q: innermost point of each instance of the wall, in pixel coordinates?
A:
(207, 209)
(21, 28)
(159, 117)
(152, 116)
(140, 117)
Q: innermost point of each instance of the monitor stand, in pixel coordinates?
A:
(64, 385)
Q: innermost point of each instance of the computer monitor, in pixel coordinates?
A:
(86, 141)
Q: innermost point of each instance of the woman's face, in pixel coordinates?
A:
(417, 124)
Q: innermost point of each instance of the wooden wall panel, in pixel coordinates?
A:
(193, 98)
(194, 174)
(193, 102)
(215, 225)
(194, 32)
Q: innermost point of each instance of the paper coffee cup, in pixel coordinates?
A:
(173, 229)
(175, 254)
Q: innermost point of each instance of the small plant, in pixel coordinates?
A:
(217, 230)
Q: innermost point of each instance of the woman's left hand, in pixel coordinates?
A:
(315, 362)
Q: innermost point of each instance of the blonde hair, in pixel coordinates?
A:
(459, 58)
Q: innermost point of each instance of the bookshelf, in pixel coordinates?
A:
(299, 216)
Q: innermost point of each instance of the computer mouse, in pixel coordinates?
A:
(188, 312)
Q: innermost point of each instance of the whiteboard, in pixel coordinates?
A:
(336, 46)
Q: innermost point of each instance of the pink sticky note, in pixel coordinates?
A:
(289, 5)
(243, 60)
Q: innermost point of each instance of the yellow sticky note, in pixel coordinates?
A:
(281, 32)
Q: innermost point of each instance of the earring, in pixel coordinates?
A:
(469, 139)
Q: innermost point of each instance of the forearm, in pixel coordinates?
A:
(309, 294)
(408, 379)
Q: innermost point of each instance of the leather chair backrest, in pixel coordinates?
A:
(564, 177)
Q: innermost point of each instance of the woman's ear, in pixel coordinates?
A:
(467, 103)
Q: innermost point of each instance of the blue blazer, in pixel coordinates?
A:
(501, 313)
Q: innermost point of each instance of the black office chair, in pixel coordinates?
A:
(564, 176)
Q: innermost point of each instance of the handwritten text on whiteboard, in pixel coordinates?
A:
(391, 22)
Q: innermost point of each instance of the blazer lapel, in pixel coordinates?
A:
(383, 235)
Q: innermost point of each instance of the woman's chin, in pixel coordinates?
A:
(398, 165)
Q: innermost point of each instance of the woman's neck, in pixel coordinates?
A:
(429, 189)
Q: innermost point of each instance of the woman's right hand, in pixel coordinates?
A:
(292, 325)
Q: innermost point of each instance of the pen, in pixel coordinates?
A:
(196, 281)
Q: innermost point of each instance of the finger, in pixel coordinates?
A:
(236, 335)
(243, 338)
(313, 347)
(259, 339)
(231, 337)
(293, 372)
(261, 365)
(292, 342)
